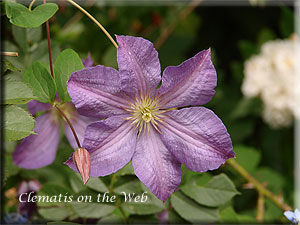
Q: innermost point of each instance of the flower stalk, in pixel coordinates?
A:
(52, 74)
(70, 124)
(259, 187)
(31, 4)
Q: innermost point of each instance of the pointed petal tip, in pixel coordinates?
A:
(231, 155)
(85, 180)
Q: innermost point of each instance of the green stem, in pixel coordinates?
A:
(259, 187)
(95, 21)
(111, 187)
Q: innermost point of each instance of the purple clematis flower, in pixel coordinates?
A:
(39, 150)
(143, 124)
(26, 208)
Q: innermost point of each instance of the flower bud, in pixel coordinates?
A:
(81, 158)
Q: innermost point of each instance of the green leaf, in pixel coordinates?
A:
(265, 35)
(92, 210)
(20, 15)
(142, 219)
(247, 157)
(111, 219)
(67, 62)
(58, 213)
(174, 218)
(16, 92)
(246, 107)
(191, 211)
(95, 183)
(241, 129)
(129, 187)
(228, 215)
(20, 37)
(17, 123)
(272, 212)
(42, 54)
(10, 168)
(150, 205)
(9, 66)
(247, 48)
(274, 180)
(25, 37)
(39, 79)
(126, 170)
(53, 194)
(286, 22)
(217, 191)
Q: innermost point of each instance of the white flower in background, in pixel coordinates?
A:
(272, 76)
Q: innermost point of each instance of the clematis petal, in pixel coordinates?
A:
(36, 106)
(290, 215)
(96, 92)
(139, 65)
(190, 83)
(297, 215)
(197, 138)
(39, 150)
(79, 123)
(155, 166)
(111, 144)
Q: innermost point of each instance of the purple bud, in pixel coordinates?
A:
(82, 160)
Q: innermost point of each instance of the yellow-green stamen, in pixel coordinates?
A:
(145, 112)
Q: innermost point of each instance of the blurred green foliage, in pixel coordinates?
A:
(234, 34)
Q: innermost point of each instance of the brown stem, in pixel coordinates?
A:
(70, 124)
(52, 74)
(260, 207)
(259, 187)
(49, 46)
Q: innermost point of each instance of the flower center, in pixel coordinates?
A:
(146, 115)
(145, 112)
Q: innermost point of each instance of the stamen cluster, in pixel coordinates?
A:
(145, 111)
